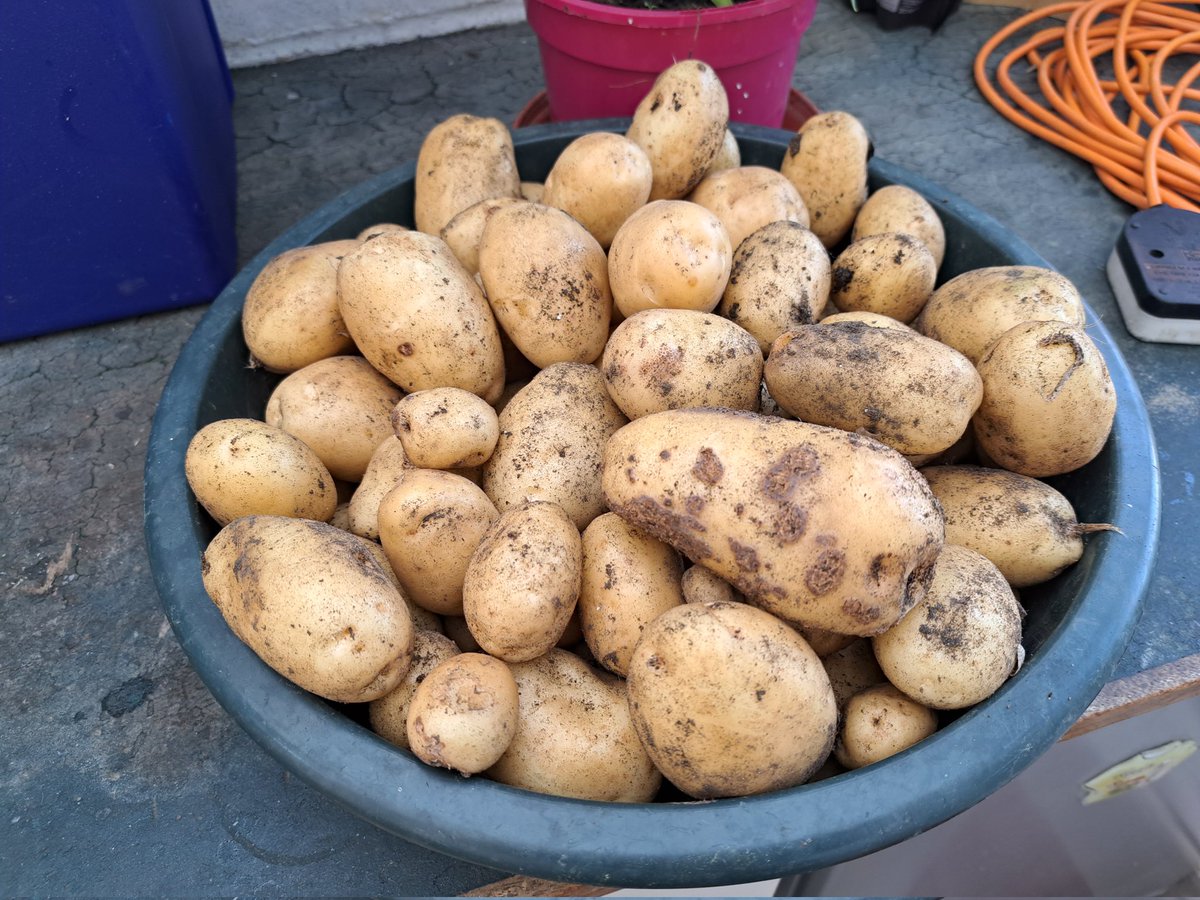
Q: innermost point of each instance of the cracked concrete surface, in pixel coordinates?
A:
(118, 771)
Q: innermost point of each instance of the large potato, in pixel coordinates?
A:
(663, 359)
(389, 714)
(681, 124)
(896, 208)
(419, 317)
(600, 180)
(445, 428)
(464, 232)
(463, 160)
(729, 701)
(313, 603)
(822, 527)
(891, 274)
(749, 197)
(827, 163)
(387, 466)
(243, 467)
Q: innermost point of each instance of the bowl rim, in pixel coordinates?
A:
(667, 844)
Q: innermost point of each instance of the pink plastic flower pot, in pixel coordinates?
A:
(599, 60)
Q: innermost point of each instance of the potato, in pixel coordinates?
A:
(852, 669)
(629, 580)
(821, 527)
(551, 447)
(387, 467)
(661, 359)
(291, 316)
(891, 274)
(897, 208)
(445, 428)
(522, 582)
(671, 254)
(681, 124)
(243, 467)
(780, 279)
(823, 642)
(532, 191)
(600, 180)
(457, 630)
(379, 228)
(729, 701)
(747, 198)
(341, 517)
(423, 619)
(702, 586)
(464, 714)
(463, 233)
(313, 603)
(880, 722)
(389, 714)
(875, 320)
(430, 524)
(1048, 400)
(419, 317)
(961, 642)
(827, 163)
(908, 391)
(340, 407)
(575, 738)
(462, 160)
(971, 311)
(729, 156)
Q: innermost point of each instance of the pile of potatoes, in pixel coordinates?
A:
(663, 474)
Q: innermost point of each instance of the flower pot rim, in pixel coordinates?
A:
(665, 18)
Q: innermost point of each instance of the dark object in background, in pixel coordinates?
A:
(894, 14)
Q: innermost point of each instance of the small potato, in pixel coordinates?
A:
(380, 228)
(827, 163)
(880, 722)
(729, 701)
(445, 428)
(702, 586)
(779, 280)
(1048, 400)
(464, 714)
(629, 580)
(462, 160)
(340, 407)
(875, 320)
(532, 191)
(675, 358)
(522, 582)
(960, 643)
(291, 316)
(681, 124)
(896, 208)
(387, 467)
(389, 714)
(852, 669)
(313, 603)
(430, 524)
(600, 179)
(891, 274)
(671, 254)
(341, 517)
(729, 156)
(463, 233)
(457, 630)
(749, 197)
(971, 311)
(243, 467)
(824, 642)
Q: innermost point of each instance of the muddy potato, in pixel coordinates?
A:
(551, 447)
(313, 603)
(1048, 400)
(908, 391)
(747, 198)
(827, 163)
(341, 516)
(419, 317)
(729, 156)
(430, 524)
(779, 279)
(629, 580)
(671, 254)
(462, 160)
(681, 125)
(675, 358)
(445, 428)
(463, 233)
(600, 180)
(852, 669)
(702, 586)
(387, 467)
(880, 722)
(340, 407)
(896, 208)
(291, 316)
(389, 714)
(875, 320)
(576, 738)
(464, 714)
(729, 701)
(821, 527)
(522, 582)
(961, 642)
(379, 228)
(891, 274)
(547, 281)
(243, 467)
(971, 311)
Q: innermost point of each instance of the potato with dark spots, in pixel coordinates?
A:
(387, 467)
(600, 180)
(852, 669)
(313, 603)
(875, 320)
(827, 163)
(890, 274)
(897, 208)
(389, 714)
(729, 701)
(822, 527)
(463, 159)
(880, 722)
(445, 428)
(464, 232)
(748, 198)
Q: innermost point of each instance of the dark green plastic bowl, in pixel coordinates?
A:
(1077, 628)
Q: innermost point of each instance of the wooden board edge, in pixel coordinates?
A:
(1141, 693)
(522, 886)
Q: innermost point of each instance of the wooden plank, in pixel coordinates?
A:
(1141, 693)
(521, 886)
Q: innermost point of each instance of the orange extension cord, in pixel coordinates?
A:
(1145, 158)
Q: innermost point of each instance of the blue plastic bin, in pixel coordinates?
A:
(117, 165)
